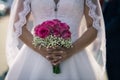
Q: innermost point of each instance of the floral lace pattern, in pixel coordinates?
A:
(101, 49)
(22, 16)
(93, 14)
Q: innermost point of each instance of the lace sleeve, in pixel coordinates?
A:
(98, 46)
(19, 10)
(22, 18)
(93, 14)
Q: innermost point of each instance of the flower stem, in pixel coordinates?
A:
(56, 69)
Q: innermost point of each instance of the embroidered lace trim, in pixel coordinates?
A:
(22, 18)
(93, 14)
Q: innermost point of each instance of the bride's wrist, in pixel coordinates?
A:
(39, 50)
(70, 51)
(74, 49)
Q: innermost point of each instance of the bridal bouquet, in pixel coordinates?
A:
(52, 34)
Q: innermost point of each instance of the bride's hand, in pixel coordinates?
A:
(60, 55)
(46, 53)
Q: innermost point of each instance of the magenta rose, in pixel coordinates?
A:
(48, 24)
(36, 29)
(56, 32)
(66, 34)
(42, 31)
(56, 21)
(63, 27)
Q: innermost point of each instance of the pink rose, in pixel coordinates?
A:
(56, 32)
(48, 24)
(36, 30)
(63, 27)
(42, 31)
(53, 27)
(56, 21)
(66, 34)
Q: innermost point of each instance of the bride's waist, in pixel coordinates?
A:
(66, 19)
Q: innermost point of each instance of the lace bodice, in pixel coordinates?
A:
(43, 10)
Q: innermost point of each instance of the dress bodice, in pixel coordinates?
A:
(69, 11)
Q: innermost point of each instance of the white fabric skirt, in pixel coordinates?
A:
(30, 65)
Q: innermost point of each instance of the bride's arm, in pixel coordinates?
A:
(27, 38)
(89, 35)
(87, 38)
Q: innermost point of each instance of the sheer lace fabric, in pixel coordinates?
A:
(90, 61)
(22, 18)
(96, 14)
(19, 11)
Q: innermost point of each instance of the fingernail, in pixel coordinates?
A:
(60, 57)
(54, 63)
(47, 56)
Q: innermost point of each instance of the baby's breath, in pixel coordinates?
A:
(52, 41)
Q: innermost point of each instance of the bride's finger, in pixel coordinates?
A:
(50, 58)
(58, 53)
(61, 59)
(56, 60)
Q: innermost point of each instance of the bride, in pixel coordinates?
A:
(84, 61)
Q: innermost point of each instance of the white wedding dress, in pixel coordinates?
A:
(26, 64)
